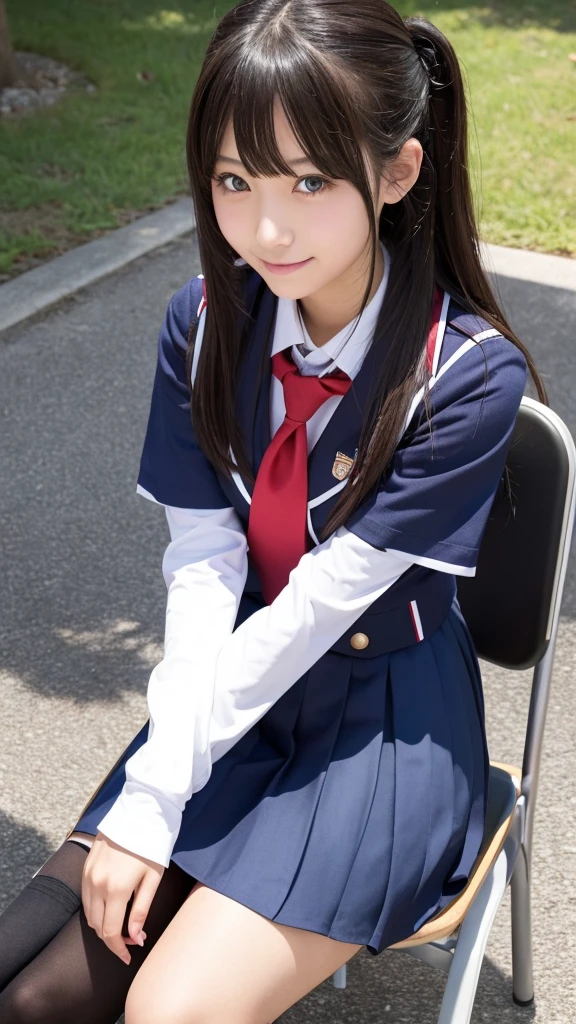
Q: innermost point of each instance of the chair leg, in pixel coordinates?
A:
(522, 976)
(339, 977)
(462, 982)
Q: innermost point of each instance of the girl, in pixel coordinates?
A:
(312, 778)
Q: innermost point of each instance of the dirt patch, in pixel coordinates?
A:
(45, 220)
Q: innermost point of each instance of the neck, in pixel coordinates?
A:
(329, 310)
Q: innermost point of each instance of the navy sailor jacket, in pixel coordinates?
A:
(434, 500)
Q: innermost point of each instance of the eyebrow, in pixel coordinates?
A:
(291, 163)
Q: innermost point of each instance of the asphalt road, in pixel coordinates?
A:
(81, 621)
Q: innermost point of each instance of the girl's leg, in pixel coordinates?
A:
(41, 909)
(76, 977)
(218, 962)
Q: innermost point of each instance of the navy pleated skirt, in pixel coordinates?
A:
(355, 807)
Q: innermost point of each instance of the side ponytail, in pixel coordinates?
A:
(458, 262)
(434, 239)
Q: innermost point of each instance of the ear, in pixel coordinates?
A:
(401, 174)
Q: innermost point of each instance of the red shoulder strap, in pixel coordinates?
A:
(203, 300)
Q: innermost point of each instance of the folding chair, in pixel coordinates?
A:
(512, 608)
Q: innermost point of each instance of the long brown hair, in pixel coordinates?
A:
(352, 78)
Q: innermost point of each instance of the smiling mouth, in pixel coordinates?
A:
(289, 263)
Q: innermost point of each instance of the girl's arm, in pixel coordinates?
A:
(214, 684)
(205, 567)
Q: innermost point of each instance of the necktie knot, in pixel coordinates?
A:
(303, 396)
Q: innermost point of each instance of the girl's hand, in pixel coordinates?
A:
(111, 874)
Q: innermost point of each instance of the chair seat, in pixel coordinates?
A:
(503, 793)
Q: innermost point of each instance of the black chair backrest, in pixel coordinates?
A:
(507, 604)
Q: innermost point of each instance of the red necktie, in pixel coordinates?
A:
(277, 525)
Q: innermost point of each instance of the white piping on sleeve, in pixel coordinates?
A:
(310, 527)
(436, 563)
(238, 479)
(198, 344)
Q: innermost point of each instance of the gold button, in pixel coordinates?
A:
(359, 641)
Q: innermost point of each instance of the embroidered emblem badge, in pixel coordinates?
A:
(342, 465)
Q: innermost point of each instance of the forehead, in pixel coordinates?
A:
(286, 141)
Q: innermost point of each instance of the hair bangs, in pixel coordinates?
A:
(317, 96)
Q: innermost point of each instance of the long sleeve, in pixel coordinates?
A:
(205, 567)
(214, 684)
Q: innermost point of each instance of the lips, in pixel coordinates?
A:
(285, 268)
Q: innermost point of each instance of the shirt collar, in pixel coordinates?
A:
(341, 351)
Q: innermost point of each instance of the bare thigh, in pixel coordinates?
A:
(218, 962)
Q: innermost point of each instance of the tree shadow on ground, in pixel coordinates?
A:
(23, 849)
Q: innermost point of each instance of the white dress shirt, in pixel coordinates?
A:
(214, 684)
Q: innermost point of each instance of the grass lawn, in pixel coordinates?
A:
(96, 160)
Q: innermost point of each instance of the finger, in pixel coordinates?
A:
(143, 897)
(94, 906)
(87, 891)
(92, 894)
(114, 912)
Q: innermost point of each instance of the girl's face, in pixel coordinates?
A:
(307, 219)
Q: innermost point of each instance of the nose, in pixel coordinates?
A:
(271, 233)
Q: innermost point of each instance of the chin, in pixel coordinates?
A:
(290, 286)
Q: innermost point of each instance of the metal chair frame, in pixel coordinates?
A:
(460, 955)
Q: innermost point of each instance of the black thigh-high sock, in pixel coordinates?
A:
(41, 909)
(75, 977)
